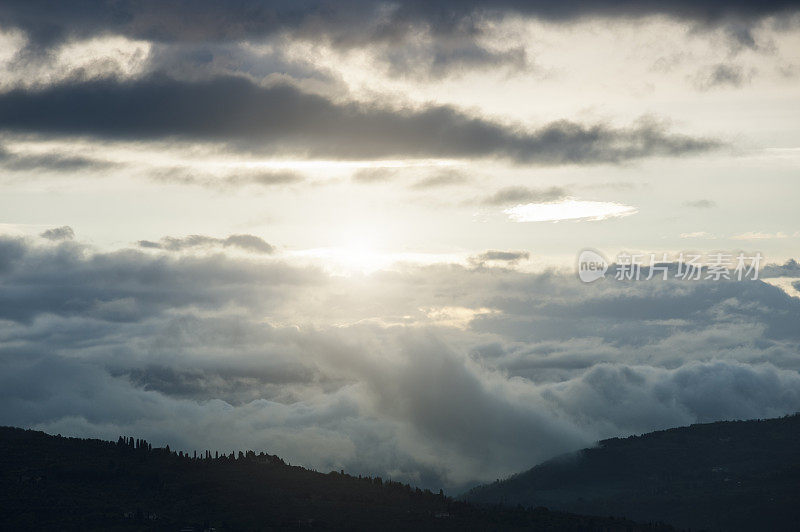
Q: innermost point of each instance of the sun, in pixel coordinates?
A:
(351, 252)
(361, 252)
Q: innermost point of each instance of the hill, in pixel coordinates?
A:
(739, 475)
(52, 482)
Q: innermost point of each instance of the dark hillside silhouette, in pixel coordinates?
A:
(742, 475)
(51, 482)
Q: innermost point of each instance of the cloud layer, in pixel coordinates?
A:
(283, 119)
(246, 242)
(223, 352)
(345, 22)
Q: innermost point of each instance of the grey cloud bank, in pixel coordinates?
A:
(266, 355)
(246, 242)
(283, 119)
(64, 232)
(55, 162)
(48, 22)
(520, 194)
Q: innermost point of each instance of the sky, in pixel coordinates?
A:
(346, 232)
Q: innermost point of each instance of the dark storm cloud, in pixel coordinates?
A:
(281, 118)
(410, 37)
(64, 232)
(246, 242)
(519, 194)
(345, 23)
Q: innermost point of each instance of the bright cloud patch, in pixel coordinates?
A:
(757, 235)
(569, 209)
(787, 284)
(697, 234)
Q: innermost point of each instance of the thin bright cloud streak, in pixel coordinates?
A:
(569, 209)
(757, 235)
(698, 234)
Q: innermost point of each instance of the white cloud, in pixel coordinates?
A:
(569, 209)
(697, 234)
